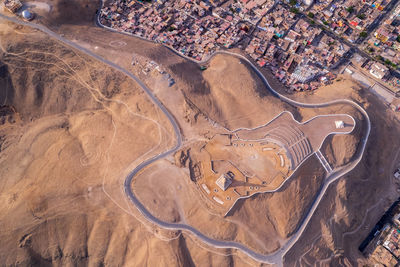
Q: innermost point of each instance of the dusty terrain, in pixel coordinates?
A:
(281, 215)
(355, 203)
(66, 146)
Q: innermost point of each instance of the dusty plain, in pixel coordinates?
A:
(72, 128)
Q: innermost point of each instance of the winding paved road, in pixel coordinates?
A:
(273, 258)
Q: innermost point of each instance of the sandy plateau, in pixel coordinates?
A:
(72, 128)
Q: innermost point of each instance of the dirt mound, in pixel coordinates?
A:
(232, 100)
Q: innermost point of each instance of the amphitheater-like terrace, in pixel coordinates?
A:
(244, 162)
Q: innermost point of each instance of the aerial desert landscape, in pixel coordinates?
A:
(119, 151)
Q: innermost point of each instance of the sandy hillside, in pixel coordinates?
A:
(226, 98)
(251, 106)
(57, 116)
(356, 202)
(346, 207)
(285, 208)
(280, 214)
(66, 145)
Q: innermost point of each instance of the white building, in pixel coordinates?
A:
(339, 124)
(27, 15)
(224, 181)
(378, 70)
(304, 73)
(308, 2)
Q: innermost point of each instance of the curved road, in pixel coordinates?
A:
(273, 258)
(277, 256)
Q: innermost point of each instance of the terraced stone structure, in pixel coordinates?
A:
(244, 162)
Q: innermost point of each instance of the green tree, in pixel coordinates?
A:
(294, 10)
(361, 16)
(350, 9)
(363, 34)
(293, 2)
(310, 14)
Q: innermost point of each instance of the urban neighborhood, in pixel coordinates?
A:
(382, 245)
(304, 44)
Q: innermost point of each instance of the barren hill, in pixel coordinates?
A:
(232, 100)
(62, 162)
(71, 128)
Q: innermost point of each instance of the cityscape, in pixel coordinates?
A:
(304, 44)
(382, 245)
